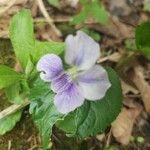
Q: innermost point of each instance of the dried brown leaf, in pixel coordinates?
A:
(119, 8)
(123, 125)
(100, 137)
(128, 88)
(130, 102)
(143, 86)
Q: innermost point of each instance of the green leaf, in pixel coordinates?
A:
(94, 117)
(54, 3)
(82, 16)
(142, 35)
(43, 110)
(130, 44)
(99, 12)
(8, 76)
(18, 92)
(8, 123)
(147, 6)
(21, 34)
(95, 9)
(13, 93)
(39, 89)
(29, 67)
(24, 43)
(84, 2)
(92, 33)
(42, 48)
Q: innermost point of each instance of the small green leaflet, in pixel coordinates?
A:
(94, 9)
(142, 35)
(82, 16)
(99, 12)
(8, 76)
(43, 110)
(130, 44)
(13, 93)
(54, 3)
(8, 123)
(94, 117)
(24, 43)
(96, 36)
(147, 6)
(29, 67)
(17, 92)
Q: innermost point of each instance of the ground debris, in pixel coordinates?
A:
(122, 127)
(142, 85)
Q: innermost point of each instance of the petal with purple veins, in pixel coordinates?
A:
(69, 100)
(50, 66)
(94, 83)
(81, 51)
(61, 83)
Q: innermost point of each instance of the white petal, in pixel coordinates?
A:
(81, 51)
(69, 99)
(94, 83)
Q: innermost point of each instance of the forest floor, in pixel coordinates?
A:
(133, 124)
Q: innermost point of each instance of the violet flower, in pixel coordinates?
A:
(83, 81)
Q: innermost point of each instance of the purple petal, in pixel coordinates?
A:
(94, 83)
(50, 66)
(81, 51)
(61, 83)
(69, 100)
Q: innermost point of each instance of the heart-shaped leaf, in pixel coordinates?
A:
(94, 117)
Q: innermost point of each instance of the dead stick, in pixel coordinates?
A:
(48, 18)
(12, 109)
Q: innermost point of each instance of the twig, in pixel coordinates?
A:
(12, 109)
(115, 57)
(33, 147)
(48, 18)
(9, 144)
(108, 138)
(66, 19)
